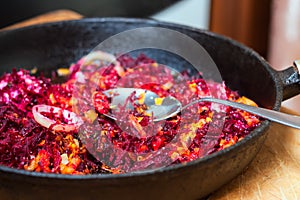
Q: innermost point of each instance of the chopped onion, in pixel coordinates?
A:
(100, 55)
(74, 120)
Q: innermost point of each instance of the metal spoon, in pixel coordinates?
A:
(170, 106)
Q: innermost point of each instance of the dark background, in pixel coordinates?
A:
(13, 11)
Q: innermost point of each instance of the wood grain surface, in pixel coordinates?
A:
(273, 174)
(58, 15)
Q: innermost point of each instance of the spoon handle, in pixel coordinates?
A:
(272, 115)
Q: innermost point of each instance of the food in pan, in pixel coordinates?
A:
(60, 127)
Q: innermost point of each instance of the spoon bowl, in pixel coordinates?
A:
(167, 108)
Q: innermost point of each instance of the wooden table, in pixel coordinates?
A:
(273, 174)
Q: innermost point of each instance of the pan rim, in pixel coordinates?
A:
(261, 129)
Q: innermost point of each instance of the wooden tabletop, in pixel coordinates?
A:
(273, 174)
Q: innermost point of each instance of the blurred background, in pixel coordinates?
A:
(270, 27)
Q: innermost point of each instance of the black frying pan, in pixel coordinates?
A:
(58, 44)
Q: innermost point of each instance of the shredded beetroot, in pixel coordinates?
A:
(26, 144)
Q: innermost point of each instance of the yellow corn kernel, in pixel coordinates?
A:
(154, 64)
(90, 115)
(52, 98)
(33, 70)
(142, 98)
(193, 87)
(139, 119)
(158, 101)
(63, 71)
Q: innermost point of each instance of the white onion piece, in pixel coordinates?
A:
(106, 57)
(100, 55)
(74, 121)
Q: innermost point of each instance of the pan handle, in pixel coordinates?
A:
(290, 79)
